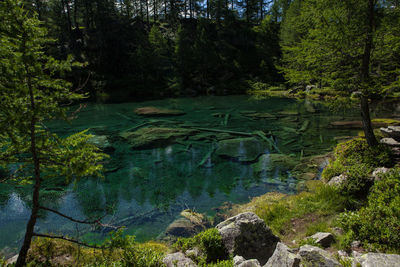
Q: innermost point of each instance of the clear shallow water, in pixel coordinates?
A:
(145, 190)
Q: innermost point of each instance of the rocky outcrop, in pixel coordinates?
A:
(247, 235)
(241, 149)
(316, 257)
(378, 259)
(188, 224)
(284, 257)
(323, 239)
(158, 112)
(178, 259)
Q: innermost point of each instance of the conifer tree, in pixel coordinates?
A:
(32, 93)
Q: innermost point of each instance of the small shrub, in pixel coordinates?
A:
(356, 159)
(209, 242)
(378, 224)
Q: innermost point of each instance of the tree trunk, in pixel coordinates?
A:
(366, 121)
(365, 65)
(35, 197)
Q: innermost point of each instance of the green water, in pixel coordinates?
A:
(146, 189)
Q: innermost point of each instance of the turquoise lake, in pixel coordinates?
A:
(146, 189)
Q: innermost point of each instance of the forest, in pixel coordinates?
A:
(200, 133)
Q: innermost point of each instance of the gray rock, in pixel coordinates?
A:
(283, 256)
(178, 259)
(250, 263)
(356, 244)
(390, 142)
(378, 259)
(238, 260)
(247, 235)
(337, 180)
(316, 257)
(12, 260)
(392, 132)
(378, 171)
(324, 239)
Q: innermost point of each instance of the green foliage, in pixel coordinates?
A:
(377, 224)
(356, 160)
(121, 251)
(324, 43)
(210, 244)
(319, 201)
(33, 91)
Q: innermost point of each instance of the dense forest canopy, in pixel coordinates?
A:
(159, 48)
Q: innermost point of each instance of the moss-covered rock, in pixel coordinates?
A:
(155, 136)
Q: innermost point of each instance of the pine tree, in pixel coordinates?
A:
(334, 44)
(31, 93)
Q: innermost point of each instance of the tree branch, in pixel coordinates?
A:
(96, 222)
(69, 240)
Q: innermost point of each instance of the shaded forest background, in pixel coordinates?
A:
(139, 49)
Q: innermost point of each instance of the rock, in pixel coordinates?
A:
(378, 259)
(250, 263)
(356, 244)
(178, 259)
(342, 254)
(392, 132)
(193, 253)
(12, 260)
(338, 230)
(241, 149)
(390, 142)
(323, 239)
(377, 173)
(155, 137)
(189, 224)
(314, 256)
(247, 235)
(284, 257)
(157, 112)
(337, 180)
(238, 260)
(101, 141)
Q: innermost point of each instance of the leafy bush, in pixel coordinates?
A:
(210, 244)
(378, 224)
(356, 160)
